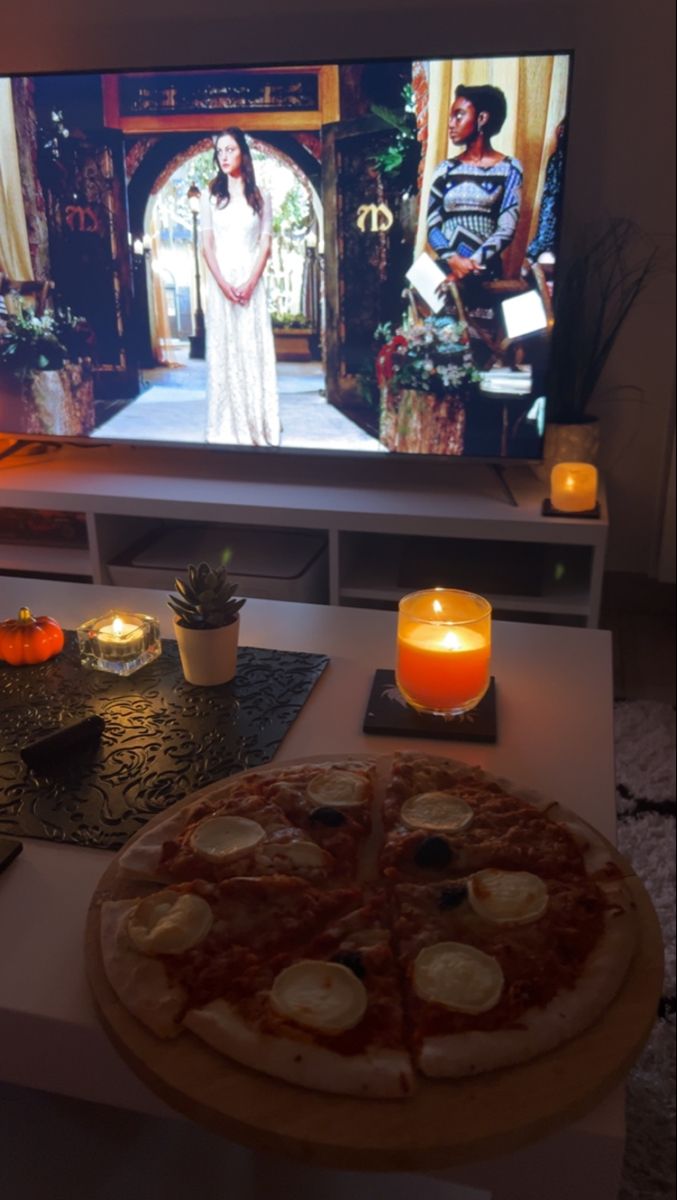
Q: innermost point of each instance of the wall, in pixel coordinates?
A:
(621, 147)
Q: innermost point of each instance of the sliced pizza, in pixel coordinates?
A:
(504, 965)
(328, 1016)
(444, 819)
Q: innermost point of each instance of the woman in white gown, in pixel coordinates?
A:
(236, 220)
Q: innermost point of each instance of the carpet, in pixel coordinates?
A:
(645, 791)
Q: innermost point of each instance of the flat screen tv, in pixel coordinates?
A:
(352, 258)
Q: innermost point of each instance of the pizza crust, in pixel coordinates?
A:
(140, 982)
(381, 1073)
(141, 859)
(542, 1029)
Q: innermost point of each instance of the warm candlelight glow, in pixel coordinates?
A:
(443, 650)
(573, 487)
(119, 630)
(119, 642)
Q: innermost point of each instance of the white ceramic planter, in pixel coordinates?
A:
(208, 656)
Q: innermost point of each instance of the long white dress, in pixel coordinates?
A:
(242, 399)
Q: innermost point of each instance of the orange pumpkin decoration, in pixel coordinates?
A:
(29, 639)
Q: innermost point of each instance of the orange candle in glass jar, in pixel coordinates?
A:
(443, 650)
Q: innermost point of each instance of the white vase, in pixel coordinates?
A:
(569, 443)
(208, 656)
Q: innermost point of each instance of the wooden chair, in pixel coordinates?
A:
(37, 292)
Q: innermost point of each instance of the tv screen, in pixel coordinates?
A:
(352, 258)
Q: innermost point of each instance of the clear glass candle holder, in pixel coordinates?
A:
(443, 650)
(119, 642)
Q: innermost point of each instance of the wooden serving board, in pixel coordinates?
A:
(443, 1124)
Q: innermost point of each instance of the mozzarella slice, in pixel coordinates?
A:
(515, 897)
(221, 838)
(300, 854)
(437, 810)
(337, 789)
(320, 995)
(169, 923)
(458, 976)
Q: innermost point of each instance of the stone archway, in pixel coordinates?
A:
(151, 164)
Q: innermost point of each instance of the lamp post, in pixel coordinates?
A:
(197, 342)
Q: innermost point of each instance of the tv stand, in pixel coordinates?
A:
(383, 539)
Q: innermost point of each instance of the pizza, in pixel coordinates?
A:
(353, 925)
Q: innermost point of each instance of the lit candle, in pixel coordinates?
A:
(443, 650)
(119, 642)
(573, 487)
(123, 637)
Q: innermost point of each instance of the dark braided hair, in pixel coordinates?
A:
(219, 187)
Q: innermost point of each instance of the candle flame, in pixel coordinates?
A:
(118, 626)
(451, 640)
(570, 481)
(437, 606)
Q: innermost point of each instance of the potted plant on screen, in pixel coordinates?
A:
(48, 357)
(612, 264)
(207, 624)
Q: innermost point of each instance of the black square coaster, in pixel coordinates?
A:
(548, 511)
(388, 713)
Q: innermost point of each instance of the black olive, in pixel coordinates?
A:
(433, 851)
(352, 960)
(452, 896)
(328, 816)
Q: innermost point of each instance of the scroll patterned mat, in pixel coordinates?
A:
(162, 740)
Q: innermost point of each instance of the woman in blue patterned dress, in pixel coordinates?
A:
(475, 201)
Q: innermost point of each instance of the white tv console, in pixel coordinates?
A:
(384, 538)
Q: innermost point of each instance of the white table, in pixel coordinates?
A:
(554, 688)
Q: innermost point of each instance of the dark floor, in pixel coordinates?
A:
(640, 613)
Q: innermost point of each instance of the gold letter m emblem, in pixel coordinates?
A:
(374, 218)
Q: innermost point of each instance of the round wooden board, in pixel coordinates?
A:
(443, 1124)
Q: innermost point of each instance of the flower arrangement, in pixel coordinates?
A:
(33, 343)
(430, 355)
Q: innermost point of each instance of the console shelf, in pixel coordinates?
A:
(381, 539)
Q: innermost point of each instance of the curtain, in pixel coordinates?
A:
(159, 317)
(536, 90)
(15, 258)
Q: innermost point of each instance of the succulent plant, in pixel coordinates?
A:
(206, 598)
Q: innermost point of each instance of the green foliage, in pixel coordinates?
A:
(205, 599)
(290, 321)
(31, 343)
(401, 157)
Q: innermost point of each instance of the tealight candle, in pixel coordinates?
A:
(443, 650)
(119, 642)
(573, 487)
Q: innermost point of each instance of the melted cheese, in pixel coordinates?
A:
(221, 838)
(299, 854)
(515, 897)
(169, 923)
(337, 789)
(437, 810)
(458, 976)
(320, 995)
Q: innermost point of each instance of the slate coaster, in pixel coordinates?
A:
(388, 713)
(162, 738)
(547, 510)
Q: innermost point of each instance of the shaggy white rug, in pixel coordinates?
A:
(645, 790)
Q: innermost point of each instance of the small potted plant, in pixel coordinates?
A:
(49, 359)
(207, 624)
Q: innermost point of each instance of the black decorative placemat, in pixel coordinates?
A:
(388, 713)
(163, 738)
